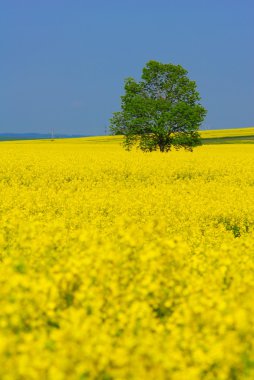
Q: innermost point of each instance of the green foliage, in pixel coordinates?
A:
(160, 111)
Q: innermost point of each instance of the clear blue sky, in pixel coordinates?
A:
(63, 63)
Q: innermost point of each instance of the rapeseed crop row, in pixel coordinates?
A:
(125, 265)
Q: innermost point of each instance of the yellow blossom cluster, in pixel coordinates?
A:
(120, 265)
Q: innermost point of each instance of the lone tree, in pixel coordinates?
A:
(160, 111)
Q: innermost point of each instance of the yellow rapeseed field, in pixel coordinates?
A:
(123, 265)
(238, 132)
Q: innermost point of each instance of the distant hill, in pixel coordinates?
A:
(228, 136)
(215, 136)
(34, 136)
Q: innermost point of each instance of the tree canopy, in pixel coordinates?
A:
(160, 111)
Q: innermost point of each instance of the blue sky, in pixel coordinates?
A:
(63, 63)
